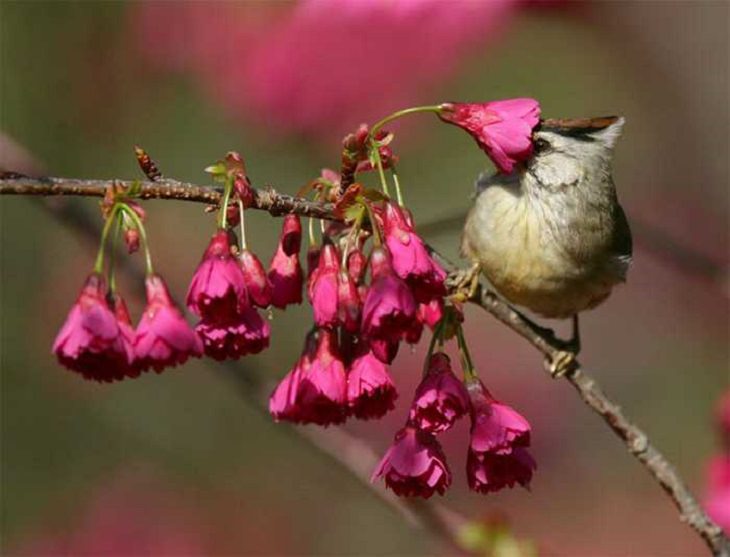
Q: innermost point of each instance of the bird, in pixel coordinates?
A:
(551, 235)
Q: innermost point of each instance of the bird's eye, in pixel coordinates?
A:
(540, 145)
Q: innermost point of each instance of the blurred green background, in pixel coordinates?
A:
(179, 463)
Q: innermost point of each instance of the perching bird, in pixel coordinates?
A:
(551, 236)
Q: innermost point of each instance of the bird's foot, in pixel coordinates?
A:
(560, 363)
(464, 283)
(564, 360)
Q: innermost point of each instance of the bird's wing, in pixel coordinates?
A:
(621, 243)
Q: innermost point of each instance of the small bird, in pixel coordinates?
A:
(551, 235)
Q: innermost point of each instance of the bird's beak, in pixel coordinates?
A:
(577, 125)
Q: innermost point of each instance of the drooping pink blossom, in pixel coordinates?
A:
(356, 264)
(717, 491)
(285, 271)
(496, 427)
(414, 465)
(440, 398)
(411, 261)
(217, 290)
(315, 391)
(323, 288)
(242, 334)
(489, 472)
(431, 313)
(255, 279)
(90, 341)
(349, 305)
(163, 336)
(500, 436)
(370, 390)
(126, 330)
(389, 307)
(502, 129)
(384, 349)
(313, 253)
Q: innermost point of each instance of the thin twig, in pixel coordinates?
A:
(636, 441)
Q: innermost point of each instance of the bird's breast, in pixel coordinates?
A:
(546, 258)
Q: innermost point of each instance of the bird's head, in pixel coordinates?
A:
(566, 150)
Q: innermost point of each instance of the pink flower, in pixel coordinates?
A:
(323, 288)
(389, 307)
(163, 336)
(502, 129)
(285, 272)
(348, 302)
(496, 428)
(370, 390)
(313, 259)
(497, 449)
(440, 399)
(126, 330)
(717, 498)
(414, 465)
(384, 349)
(291, 235)
(431, 313)
(255, 279)
(356, 265)
(488, 472)
(90, 341)
(315, 391)
(243, 334)
(411, 260)
(217, 291)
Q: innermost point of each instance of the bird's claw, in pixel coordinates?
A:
(561, 363)
(464, 283)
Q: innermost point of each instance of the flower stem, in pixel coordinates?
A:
(113, 258)
(401, 113)
(143, 234)
(398, 194)
(467, 364)
(223, 216)
(379, 164)
(377, 239)
(99, 264)
(310, 226)
(436, 337)
(352, 234)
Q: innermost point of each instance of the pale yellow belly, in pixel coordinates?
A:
(528, 266)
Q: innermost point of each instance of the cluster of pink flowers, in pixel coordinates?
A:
(372, 283)
(99, 342)
(415, 465)
(359, 324)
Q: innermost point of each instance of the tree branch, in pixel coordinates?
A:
(636, 440)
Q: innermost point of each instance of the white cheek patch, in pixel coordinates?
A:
(558, 170)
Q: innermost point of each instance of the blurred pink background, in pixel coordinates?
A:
(179, 463)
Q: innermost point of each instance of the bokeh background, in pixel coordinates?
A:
(180, 463)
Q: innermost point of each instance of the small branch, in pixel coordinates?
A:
(266, 199)
(636, 441)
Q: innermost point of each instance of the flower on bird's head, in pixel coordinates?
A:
(502, 129)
